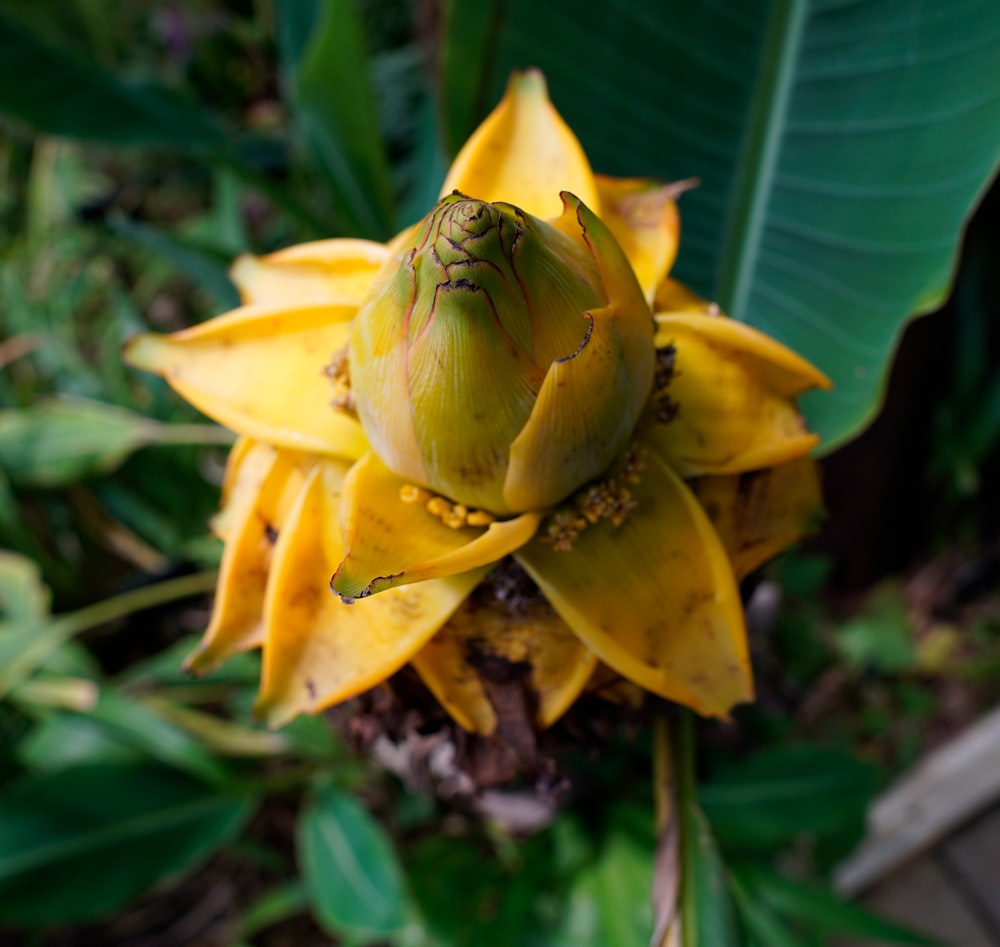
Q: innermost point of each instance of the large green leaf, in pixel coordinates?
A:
(839, 145)
(77, 843)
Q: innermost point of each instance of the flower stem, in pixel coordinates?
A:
(686, 789)
(667, 867)
(207, 434)
(37, 643)
(136, 600)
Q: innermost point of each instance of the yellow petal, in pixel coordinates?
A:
(232, 486)
(589, 402)
(787, 373)
(673, 297)
(642, 214)
(324, 271)
(318, 650)
(728, 405)
(759, 513)
(486, 651)
(390, 542)
(260, 370)
(654, 598)
(267, 485)
(524, 154)
(236, 623)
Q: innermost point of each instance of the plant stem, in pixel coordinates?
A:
(208, 434)
(684, 755)
(686, 785)
(667, 877)
(45, 639)
(137, 600)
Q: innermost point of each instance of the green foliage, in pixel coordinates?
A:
(879, 637)
(79, 842)
(349, 868)
(24, 599)
(766, 894)
(787, 793)
(967, 420)
(58, 442)
(71, 97)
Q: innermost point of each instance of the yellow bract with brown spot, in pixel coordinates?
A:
(523, 455)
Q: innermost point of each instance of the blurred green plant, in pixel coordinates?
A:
(138, 160)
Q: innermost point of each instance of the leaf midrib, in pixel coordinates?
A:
(135, 827)
(759, 155)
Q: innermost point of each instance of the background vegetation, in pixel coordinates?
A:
(840, 149)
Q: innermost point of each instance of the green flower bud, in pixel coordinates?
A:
(503, 361)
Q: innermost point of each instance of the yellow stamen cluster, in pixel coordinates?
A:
(605, 501)
(563, 528)
(339, 373)
(455, 515)
(608, 499)
(631, 465)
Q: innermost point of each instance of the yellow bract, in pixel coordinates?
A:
(389, 541)
(524, 154)
(262, 371)
(267, 483)
(642, 215)
(733, 389)
(759, 513)
(319, 650)
(321, 272)
(651, 461)
(654, 598)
